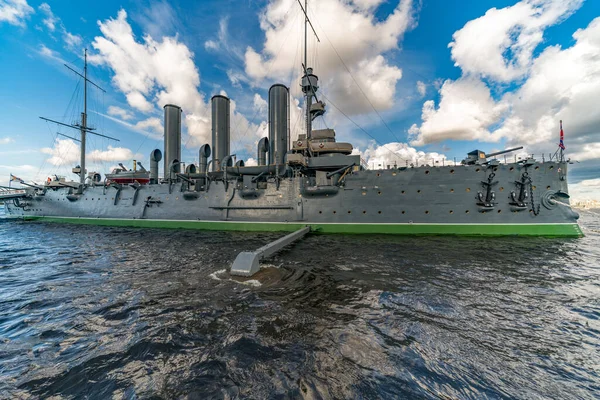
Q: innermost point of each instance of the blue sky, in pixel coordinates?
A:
(432, 100)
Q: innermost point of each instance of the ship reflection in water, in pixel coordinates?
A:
(93, 312)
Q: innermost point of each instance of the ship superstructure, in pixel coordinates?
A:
(312, 181)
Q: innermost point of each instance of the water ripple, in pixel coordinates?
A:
(92, 312)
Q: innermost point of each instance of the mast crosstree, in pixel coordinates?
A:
(82, 127)
(309, 80)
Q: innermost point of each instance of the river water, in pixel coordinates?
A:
(100, 313)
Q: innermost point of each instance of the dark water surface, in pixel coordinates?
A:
(94, 312)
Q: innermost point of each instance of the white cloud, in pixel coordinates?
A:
(153, 123)
(153, 72)
(211, 45)
(119, 112)
(500, 44)
(113, 154)
(563, 84)
(50, 20)
(251, 162)
(360, 39)
(50, 54)
(6, 140)
(588, 189)
(399, 154)
(65, 152)
(421, 88)
(15, 12)
(260, 104)
(465, 112)
(558, 84)
(72, 41)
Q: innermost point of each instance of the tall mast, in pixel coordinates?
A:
(308, 95)
(83, 122)
(82, 127)
(309, 81)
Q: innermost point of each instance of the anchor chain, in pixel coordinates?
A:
(533, 209)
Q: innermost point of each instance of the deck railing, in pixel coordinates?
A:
(442, 162)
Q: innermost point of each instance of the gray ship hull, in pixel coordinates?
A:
(421, 200)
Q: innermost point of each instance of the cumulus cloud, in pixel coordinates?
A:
(6, 140)
(563, 84)
(556, 84)
(153, 123)
(399, 154)
(260, 104)
(15, 12)
(65, 152)
(465, 112)
(482, 45)
(119, 112)
(335, 21)
(153, 72)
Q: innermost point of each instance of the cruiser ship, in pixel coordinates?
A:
(312, 181)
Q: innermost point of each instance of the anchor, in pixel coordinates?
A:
(519, 202)
(487, 203)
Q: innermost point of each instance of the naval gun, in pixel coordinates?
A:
(479, 157)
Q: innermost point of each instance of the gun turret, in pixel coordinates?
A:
(503, 152)
(479, 157)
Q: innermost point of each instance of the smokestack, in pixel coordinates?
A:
(263, 147)
(220, 130)
(155, 157)
(204, 154)
(172, 139)
(279, 123)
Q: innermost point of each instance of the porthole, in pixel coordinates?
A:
(176, 198)
(166, 198)
(112, 198)
(451, 212)
(468, 189)
(451, 171)
(537, 167)
(499, 211)
(320, 212)
(466, 212)
(477, 169)
(451, 190)
(548, 187)
(378, 174)
(403, 192)
(403, 212)
(427, 212)
(551, 167)
(427, 172)
(364, 212)
(393, 174)
(349, 212)
(335, 212)
(86, 198)
(364, 193)
(511, 168)
(378, 192)
(378, 212)
(501, 188)
(419, 191)
(534, 187)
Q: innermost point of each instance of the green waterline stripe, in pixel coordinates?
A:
(526, 229)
